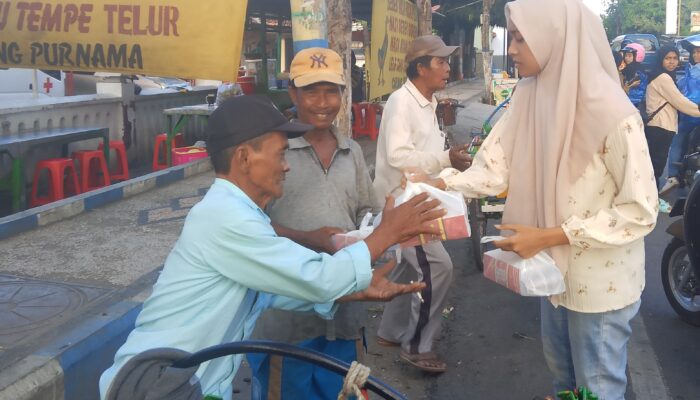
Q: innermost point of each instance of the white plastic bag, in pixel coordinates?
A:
(535, 276)
(453, 225)
(341, 240)
(226, 90)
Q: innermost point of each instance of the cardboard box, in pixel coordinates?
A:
(456, 227)
(455, 223)
(498, 268)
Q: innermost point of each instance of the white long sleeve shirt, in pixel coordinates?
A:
(612, 206)
(409, 137)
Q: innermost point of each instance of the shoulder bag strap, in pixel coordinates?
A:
(656, 112)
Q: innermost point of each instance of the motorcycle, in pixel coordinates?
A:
(680, 265)
(690, 163)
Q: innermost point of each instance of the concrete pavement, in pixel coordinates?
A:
(70, 291)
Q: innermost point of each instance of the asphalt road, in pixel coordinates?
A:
(675, 343)
(491, 342)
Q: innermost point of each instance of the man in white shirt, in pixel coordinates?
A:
(410, 139)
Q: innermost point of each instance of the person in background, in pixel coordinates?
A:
(634, 81)
(663, 103)
(580, 187)
(410, 139)
(357, 75)
(689, 85)
(328, 190)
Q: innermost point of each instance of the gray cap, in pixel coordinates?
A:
(429, 45)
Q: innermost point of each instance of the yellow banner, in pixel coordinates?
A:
(178, 38)
(394, 26)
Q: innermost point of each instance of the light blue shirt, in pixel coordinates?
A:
(228, 258)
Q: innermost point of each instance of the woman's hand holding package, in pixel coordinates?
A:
(416, 175)
(528, 241)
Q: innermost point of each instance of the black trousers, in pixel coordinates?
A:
(659, 141)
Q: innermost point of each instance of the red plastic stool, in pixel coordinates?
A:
(365, 123)
(62, 180)
(91, 164)
(159, 151)
(122, 171)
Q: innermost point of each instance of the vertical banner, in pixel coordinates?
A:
(394, 26)
(671, 16)
(178, 38)
(309, 26)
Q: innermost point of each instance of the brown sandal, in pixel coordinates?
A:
(428, 362)
(387, 343)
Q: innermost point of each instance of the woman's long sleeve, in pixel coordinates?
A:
(634, 209)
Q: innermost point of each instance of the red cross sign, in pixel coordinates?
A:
(48, 85)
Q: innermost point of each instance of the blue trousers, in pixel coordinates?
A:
(289, 379)
(678, 147)
(588, 349)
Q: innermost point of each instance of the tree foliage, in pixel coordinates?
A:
(466, 14)
(634, 16)
(644, 16)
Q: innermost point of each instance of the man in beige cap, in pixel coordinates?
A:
(410, 139)
(328, 190)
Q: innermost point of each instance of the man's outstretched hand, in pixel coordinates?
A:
(381, 288)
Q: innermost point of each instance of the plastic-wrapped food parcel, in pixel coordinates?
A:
(535, 276)
(453, 225)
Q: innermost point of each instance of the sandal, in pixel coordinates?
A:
(428, 362)
(387, 343)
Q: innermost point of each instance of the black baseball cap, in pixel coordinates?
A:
(242, 118)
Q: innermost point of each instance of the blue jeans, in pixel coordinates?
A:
(296, 379)
(588, 349)
(678, 147)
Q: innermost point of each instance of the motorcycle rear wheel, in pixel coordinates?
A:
(674, 264)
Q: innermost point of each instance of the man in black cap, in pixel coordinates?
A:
(229, 265)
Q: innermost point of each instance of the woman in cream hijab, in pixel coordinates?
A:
(572, 154)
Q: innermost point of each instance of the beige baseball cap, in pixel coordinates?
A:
(428, 45)
(316, 64)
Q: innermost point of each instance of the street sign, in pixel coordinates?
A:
(394, 26)
(181, 38)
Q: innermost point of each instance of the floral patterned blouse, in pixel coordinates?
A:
(612, 206)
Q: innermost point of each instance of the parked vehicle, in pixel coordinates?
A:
(648, 41)
(680, 265)
(21, 80)
(684, 58)
(690, 163)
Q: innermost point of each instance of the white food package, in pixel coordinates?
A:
(341, 240)
(453, 225)
(535, 276)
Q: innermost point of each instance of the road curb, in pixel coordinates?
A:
(69, 365)
(70, 207)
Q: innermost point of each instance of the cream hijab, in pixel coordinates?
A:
(560, 118)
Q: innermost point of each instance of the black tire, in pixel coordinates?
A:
(675, 260)
(477, 224)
